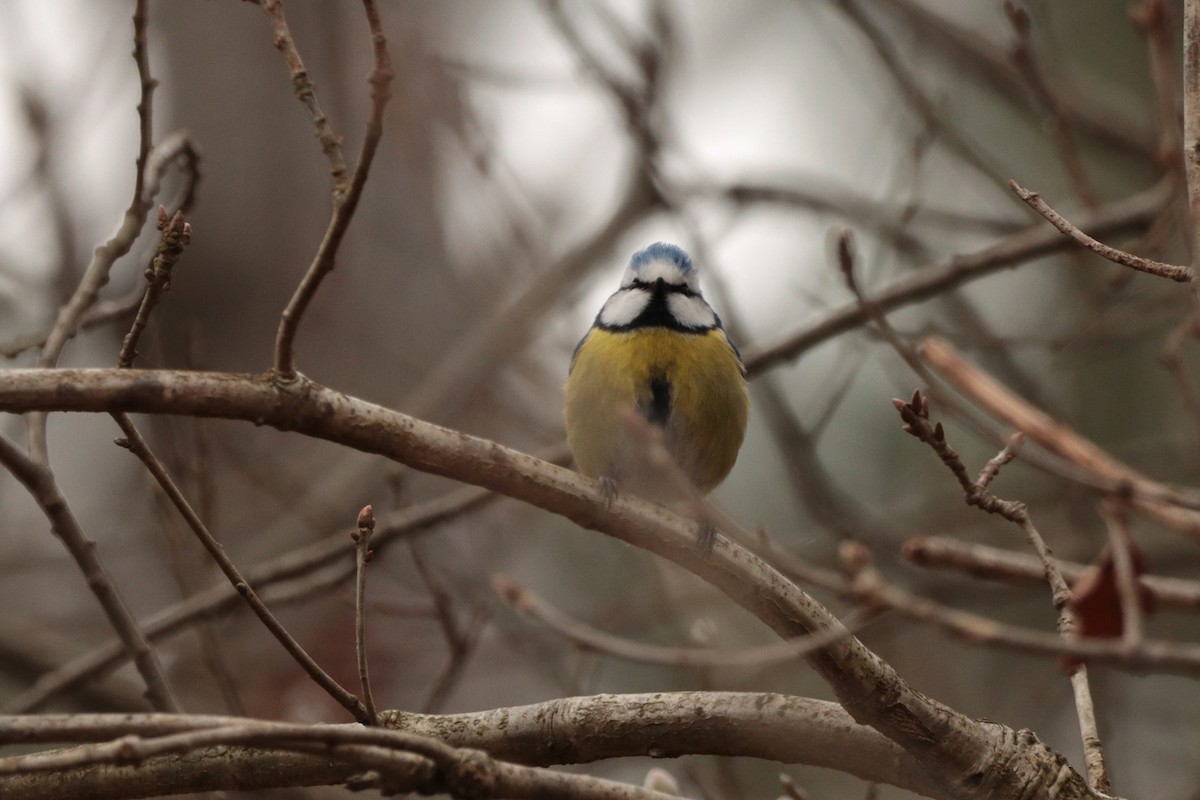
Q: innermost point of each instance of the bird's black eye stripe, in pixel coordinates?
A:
(677, 288)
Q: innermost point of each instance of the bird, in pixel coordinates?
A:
(656, 347)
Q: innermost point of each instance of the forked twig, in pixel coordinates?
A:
(346, 194)
(915, 415)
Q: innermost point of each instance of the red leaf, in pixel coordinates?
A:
(1096, 599)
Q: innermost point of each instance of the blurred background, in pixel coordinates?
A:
(528, 150)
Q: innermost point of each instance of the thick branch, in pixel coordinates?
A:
(945, 742)
(570, 730)
(1191, 115)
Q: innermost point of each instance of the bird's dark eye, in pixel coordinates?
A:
(661, 285)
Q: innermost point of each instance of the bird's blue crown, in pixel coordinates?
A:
(661, 251)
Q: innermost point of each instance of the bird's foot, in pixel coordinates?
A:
(608, 489)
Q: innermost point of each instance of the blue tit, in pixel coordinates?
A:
(656, 346)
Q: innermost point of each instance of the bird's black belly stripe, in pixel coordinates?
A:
(659, 410)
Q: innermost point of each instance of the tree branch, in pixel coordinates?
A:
(345, 198)
(928, 282)
(40, 482)
(571, 730)
(945, 742)
(1169, 271)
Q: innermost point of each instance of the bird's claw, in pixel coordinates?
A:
(608, 489)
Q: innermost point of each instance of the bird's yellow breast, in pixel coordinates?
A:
(690, 383)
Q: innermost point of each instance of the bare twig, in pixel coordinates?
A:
(1121, 544)
(346, 194)
(97, 272)
(331, 144)
(459, 641)
(1107, 473)
(974, 54)
(181, 561)
(1169, 271)
(1061, 128)
(992, 563)
(934, 280)
(174, 149)
(635, 99)
(871, 587)
(791, 788)
(1171, 357)
(362, 556)
(137, 445)
(40, 482)
(176, 234)
(1151, 20)
(221, 598)
(846, 255)
(585, 636)
(915, 95)
(915, 414)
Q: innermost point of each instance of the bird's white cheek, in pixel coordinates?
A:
(691, 312)
(624, 307)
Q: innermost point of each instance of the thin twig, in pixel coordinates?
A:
(1120, 542)
(1151, 18)
(1085, 712)
(176, 234)
(846, 254)
(1169, 271)
(636, 100)
(458, 642)
(1170, 507)
(174, 149)
(991, 563)
(1061, 128)
(934, 280)
(97, 273)
(871, 587)
(972, 54)
(362, 556)
(134, 442)
(915, 415)
(345, 199)
(40, 482)
(219, 598)
(306, 93)
(213, 651)
(1171, 357)
(917, 98)
(587, 637)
